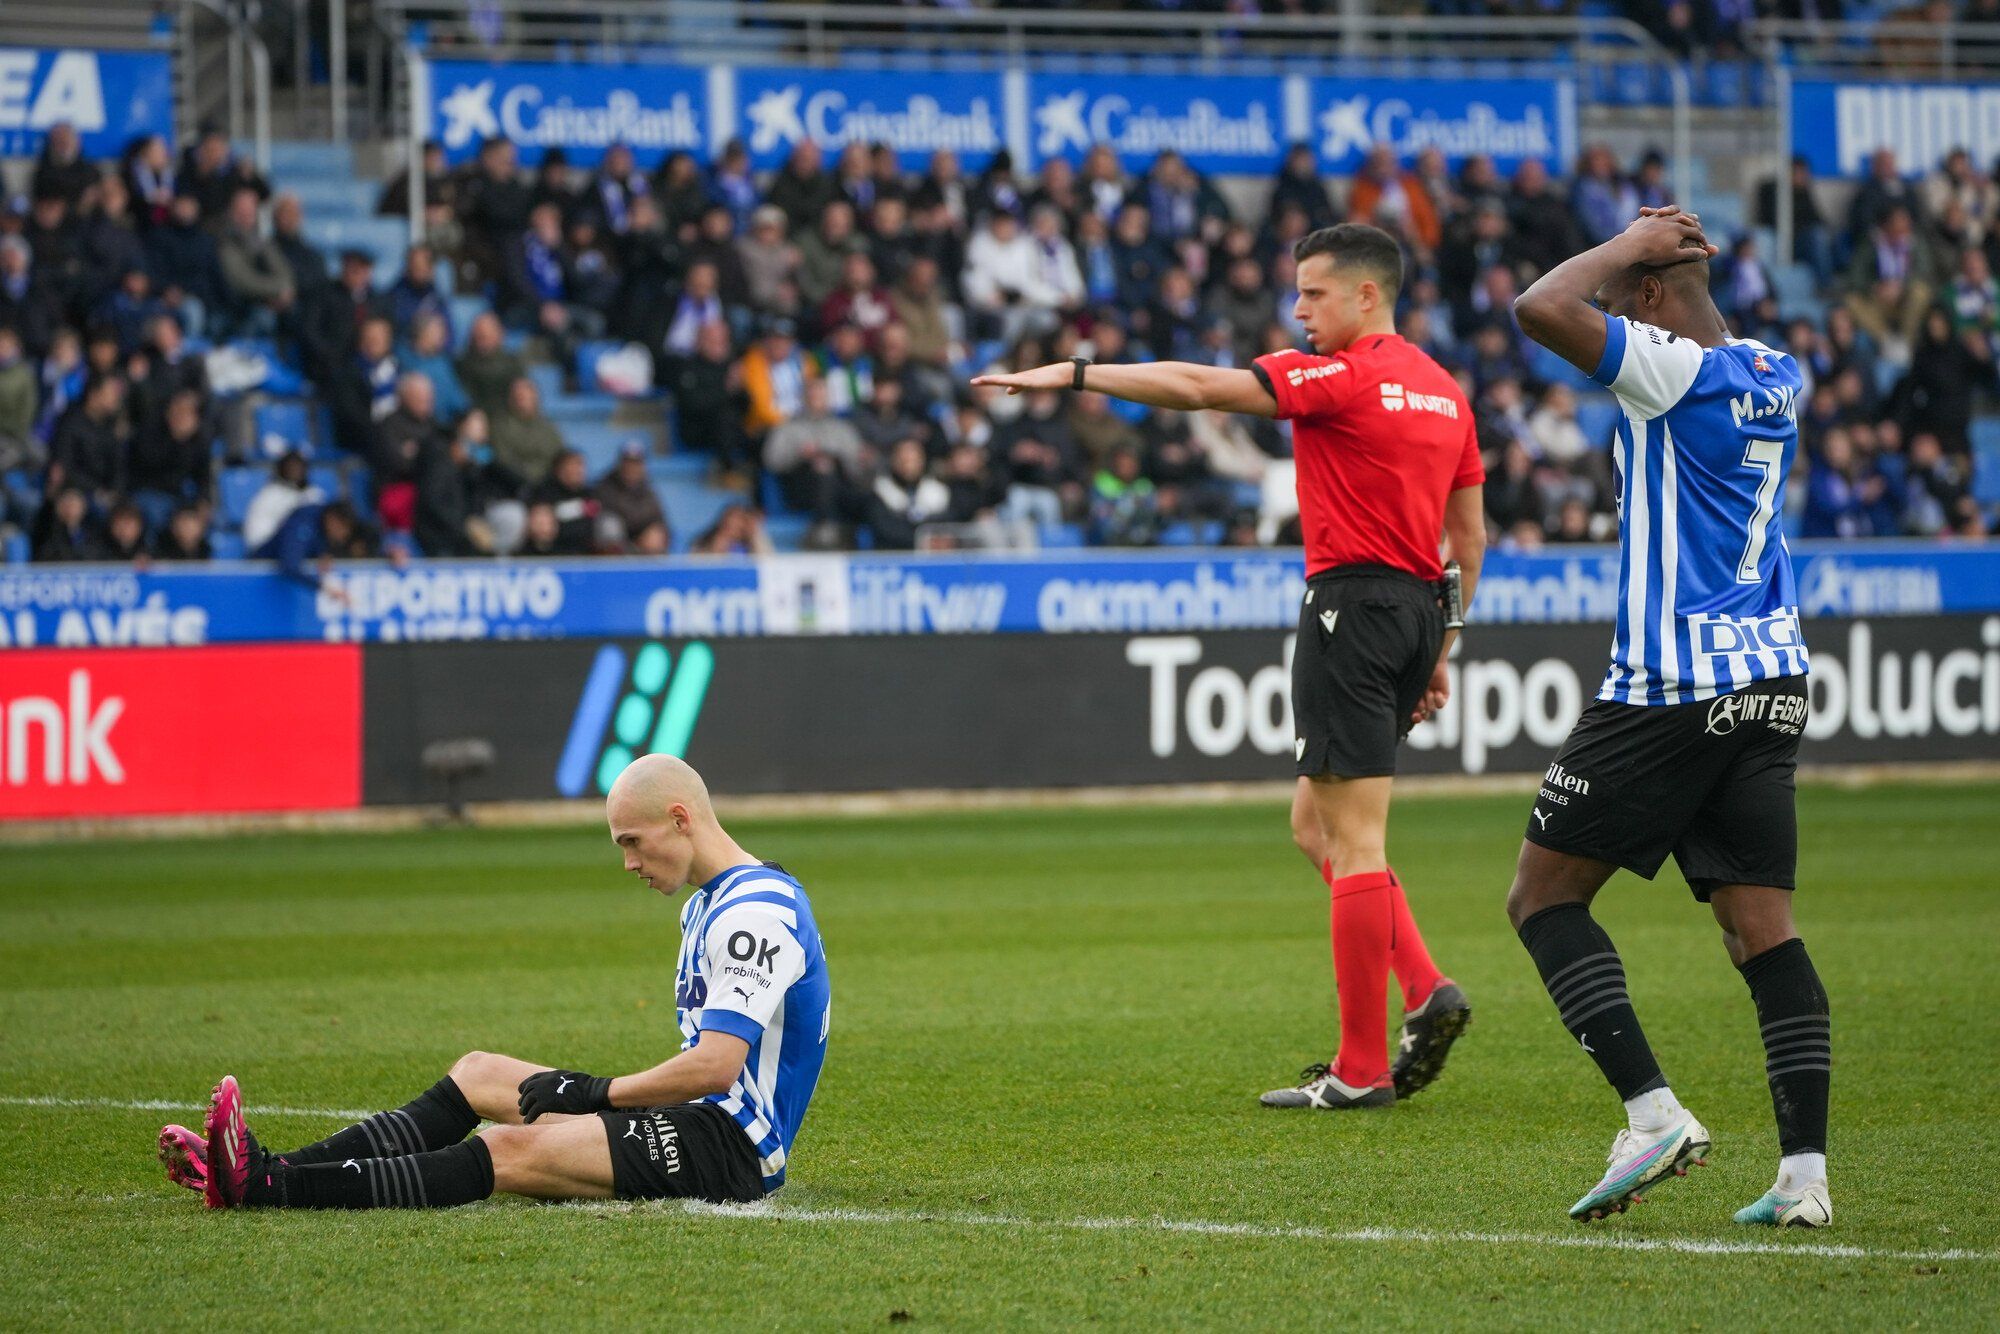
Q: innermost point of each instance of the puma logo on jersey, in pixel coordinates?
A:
(1395, 398)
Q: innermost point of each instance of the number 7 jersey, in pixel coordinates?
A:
(1706, 598)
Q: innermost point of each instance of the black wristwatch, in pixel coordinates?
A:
(1076, 381)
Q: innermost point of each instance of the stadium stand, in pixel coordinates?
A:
(767, 348)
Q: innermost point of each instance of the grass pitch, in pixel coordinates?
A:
(1039, 1108)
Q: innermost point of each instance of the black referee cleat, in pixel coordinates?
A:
(1428, 1032)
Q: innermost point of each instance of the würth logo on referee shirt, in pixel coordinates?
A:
(1395, 398)
(1298, 375)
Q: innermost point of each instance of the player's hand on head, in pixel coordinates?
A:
(1669, 236)
(1057, 375)
(567, 1091)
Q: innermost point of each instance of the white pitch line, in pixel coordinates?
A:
(772, 1213)
(176, 1105)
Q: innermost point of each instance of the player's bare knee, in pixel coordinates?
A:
(469, 1068)
(508, 1144)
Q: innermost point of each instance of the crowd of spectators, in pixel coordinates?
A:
(814, 331)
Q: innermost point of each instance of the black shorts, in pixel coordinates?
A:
(1368, 640)
(691, 1151)
(1712, 782)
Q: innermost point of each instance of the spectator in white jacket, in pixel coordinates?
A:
(276, 499)
(1006, 287)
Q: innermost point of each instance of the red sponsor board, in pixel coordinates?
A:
(179, 731)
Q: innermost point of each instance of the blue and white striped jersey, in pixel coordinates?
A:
(752, 966)
(1706, 599)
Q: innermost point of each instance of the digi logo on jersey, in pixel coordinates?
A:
(656, 715)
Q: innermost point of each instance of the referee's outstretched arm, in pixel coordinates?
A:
(1184, 385)
(1560, 310)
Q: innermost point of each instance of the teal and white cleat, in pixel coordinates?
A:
(1639, 1161)
(1811, 1207)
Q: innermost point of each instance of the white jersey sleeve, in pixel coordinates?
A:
(752, 956)
(1648, 368)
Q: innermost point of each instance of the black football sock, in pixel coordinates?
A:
(440, 1179)
(438, 1117)
(1798, 1042)
(1586, 979)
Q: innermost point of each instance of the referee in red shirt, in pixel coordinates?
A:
(1387, 463)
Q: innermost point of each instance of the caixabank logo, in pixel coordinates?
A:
(641, 704)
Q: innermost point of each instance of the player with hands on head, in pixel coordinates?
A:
(1691, 746)
(1388, 463)
(714, 1122)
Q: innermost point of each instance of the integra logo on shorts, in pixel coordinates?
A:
(1781, 713)
(656, 716)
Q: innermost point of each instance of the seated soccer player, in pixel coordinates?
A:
(713, 1123)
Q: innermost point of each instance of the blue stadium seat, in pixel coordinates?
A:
(331, 198)
(598, 442)
(1547, 366)
(227, 546)
(283, 425)
(14, 549)
(786, 531)
(464, 310)
(1061, 536)
(1797, 287)
(1986, 460)
(1598, 415)
(23, 490)
(403, 542)
(568, 408)
(771, 495)
(678, 467)
(548, 379)
(238, 487)
(691, 507)
(328, 479)
(297, 158)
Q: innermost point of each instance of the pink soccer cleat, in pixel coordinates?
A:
(185, 1156)
(228, 1150)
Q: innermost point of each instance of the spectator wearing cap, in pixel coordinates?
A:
(285, 490)
(257, 281)
(28, 305)
(769, 258)
(824, 251)
(774, 374)
(61, 170)
(487, 368)
(331, 326)
(525, 442)
(184, 537)
(630, 516)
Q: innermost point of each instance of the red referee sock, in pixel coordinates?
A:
(1364, 917)
(1415, 972)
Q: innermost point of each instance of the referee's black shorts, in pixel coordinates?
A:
(1369, 637)
(688, 1151)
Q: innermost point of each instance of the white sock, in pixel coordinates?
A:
(1653, 1113)
(1796, 1171)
